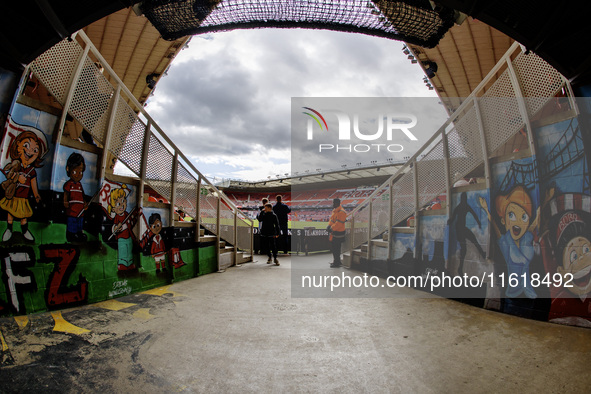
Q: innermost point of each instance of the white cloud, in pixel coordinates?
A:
(226, 99)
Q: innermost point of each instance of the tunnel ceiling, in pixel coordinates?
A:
(412, 21)
(554, 30)
(134, 49)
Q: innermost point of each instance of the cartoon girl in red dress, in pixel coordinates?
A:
(26, 152)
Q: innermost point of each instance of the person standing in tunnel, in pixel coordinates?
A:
(282, 210)
(269, 232)
(336, 228)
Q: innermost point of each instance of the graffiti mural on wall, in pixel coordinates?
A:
(68, 239)
(74, 200)
(432, 233)
(155, 240)
(515, 236)
(22, 153)
(514, 216)
(121, 216)
(17, 277)
(566, 220)
(402, 252)
(75, 176)
(468, 232)
(59, 293)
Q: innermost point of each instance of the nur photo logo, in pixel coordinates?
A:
(388, 128)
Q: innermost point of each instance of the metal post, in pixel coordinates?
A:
(416, 192)
(445, 142)
(71, 90)
(67, 104)
(252, 241)
(109, 132)
(352, 236)
(390, 218)
(217, 229)
(487, 169)
(236, 237)
(369, 230)
(522, 106)
(175, 167)
(144, 160)
(571, 96)
(198, 212)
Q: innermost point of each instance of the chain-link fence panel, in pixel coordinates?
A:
(464, 146)
(208, 209)
(127, 137)
(539, 81)
(226, 223)
(244, 234)
(380, 211)
(186, 191)
(92, 100)
(361, 219)
(431, 175)
(55, 67)
(159, 168)
(403, 198)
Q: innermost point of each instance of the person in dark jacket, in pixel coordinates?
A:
(269, 231)
(264, 201)
(282, 210)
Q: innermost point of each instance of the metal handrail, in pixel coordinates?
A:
(441, 130)
(161, 133)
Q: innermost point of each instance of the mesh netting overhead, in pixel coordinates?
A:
(413, 21)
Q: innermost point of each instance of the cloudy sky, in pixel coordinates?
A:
(226, 100)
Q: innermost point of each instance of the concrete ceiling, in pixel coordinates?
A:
(464, 56)
(133, 48)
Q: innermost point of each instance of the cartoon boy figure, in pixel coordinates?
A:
(516, 242)
(158, 249)
(573, 247)
(74, 198)
(121, 229)
(26, 151)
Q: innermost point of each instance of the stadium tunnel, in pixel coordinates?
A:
(64, 257)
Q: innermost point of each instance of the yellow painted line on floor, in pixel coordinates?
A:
(62, 325)
(22, 321)
(113, 305)
(4, 344)
(143, 313)
(160, 291)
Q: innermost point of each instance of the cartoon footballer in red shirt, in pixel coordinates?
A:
(74, 198)
(158, 249)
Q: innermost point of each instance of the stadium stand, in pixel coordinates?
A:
(309, 205)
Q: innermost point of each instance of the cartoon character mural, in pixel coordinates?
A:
(121, 229)
(515, 238)
(74, 198)
(566, 248)
(157, 248)
(566, 220)
(26, 152)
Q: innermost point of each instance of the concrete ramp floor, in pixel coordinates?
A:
(242, 332)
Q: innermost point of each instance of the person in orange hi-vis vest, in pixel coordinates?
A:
(336, 228)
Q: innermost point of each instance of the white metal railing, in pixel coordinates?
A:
(105, 107)
(482, 125)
